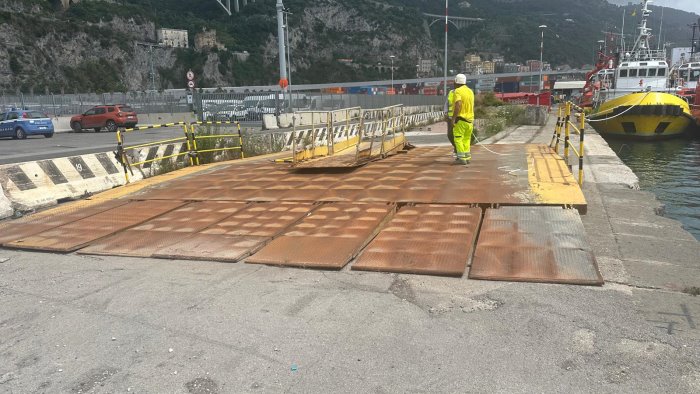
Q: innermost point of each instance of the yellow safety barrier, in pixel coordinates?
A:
(195, 138)
(123, 158)
(189, 140)
(377, 135)
(564, 113)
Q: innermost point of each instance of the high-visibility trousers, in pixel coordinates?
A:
(450, 135)
(462, 132)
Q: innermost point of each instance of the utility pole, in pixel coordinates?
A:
(280, 44)
(151, 66)
(289, 61)
(447, 2)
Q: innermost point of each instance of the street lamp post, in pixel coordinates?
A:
(539, 86)
(447, 2)
(392, 72)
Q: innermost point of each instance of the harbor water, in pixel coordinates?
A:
(671, 170)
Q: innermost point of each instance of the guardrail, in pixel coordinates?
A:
(358, 128)
(194, 144)
(564, 123)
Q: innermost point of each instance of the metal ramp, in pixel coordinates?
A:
(328, 238)
(424, 239)
(324, 219)
(238, 235)
(47, 220)
(534, 244)
(170, 228)
(75, 235)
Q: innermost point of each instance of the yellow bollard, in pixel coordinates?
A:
(240, 139)
(122, 154)
(580, 152)
(194, 145)
(189, 145)
(567, 119)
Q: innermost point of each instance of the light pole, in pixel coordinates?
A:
(392, 72)
(539, 87)
(447, 2)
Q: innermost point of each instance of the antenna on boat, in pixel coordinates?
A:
(692, 41)
(641, 45)
(661, 30)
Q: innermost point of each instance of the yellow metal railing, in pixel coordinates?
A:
(565, 113)
(189, 139)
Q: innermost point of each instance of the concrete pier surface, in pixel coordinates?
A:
(82, 323)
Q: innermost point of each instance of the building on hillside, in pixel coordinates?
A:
(472, 58)
(488, 67)
(241, 56)
(533, 65)
(511, 68)
(172, 38)
(206, 39)
(426, 67)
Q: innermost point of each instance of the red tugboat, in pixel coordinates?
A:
(695, 109)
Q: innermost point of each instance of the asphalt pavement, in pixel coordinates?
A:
(77, 323)
(73, 144)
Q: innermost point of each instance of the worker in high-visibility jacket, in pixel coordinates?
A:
(463, 119)
(449, 112)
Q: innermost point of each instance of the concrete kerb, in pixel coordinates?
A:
(33, 185)
(6, 209)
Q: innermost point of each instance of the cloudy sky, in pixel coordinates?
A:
(685, 5)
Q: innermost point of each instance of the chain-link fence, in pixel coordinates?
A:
(71, 104)
(210, 106)
(252, 106)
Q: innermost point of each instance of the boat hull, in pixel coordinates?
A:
(643, 115)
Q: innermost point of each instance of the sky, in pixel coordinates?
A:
(685, 5)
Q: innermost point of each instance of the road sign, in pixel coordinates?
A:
(190, 75)
(189, 98)
(190, 84)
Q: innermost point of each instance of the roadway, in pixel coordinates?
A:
(74, 144)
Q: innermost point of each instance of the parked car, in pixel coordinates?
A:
(19, 123)
(223, 110)
(108, 116)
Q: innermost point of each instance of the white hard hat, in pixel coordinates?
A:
(461, 79)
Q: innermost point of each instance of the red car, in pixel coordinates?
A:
(108, 116)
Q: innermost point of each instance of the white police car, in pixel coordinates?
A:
(19, 123)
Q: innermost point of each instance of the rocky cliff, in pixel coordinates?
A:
(94, 45)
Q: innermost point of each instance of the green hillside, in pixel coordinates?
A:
(91, 45)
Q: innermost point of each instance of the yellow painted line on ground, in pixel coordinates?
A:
(550, 179)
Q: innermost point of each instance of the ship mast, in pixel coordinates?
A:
(641, 49)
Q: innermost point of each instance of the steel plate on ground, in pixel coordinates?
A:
(238, 235)
(328, 238)
(515, 174)
(167, 229)
(43, 221)
(73, 236)
(534, 244)
(424, 239)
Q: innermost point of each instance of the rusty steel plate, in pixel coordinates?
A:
(73, 236)
(238, 235)
(170, 228)
(328, 238)
(424, 239)
(43, 221)
(534, 244)
(515, 174)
